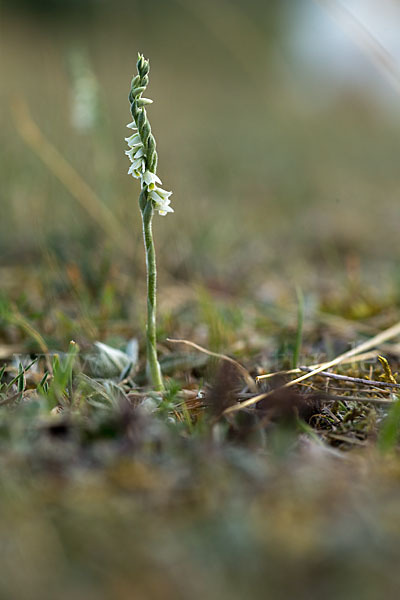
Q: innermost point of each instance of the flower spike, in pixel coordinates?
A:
(142, 144)
(143, 156)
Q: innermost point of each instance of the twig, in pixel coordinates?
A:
(359, 380)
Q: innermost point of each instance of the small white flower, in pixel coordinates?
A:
(136, 154)
(133, 140)
(158, 193)
(161, 201)
(163, 207)
(150, 179)
(162, 213)
(139, 153)
(136, 168)
(131, 152)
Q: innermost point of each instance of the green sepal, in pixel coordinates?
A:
(141, 120)
(145, 68)
(135, 82)
(140, 63)
(151, 145)
(146, 131)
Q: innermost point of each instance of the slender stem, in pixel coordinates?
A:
(151, 342)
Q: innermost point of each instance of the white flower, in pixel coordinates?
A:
(136, 154)
(133, 151)
(161, 201)
(136, 168)
(163, 208)
(133, 140)
(135, 165)
(139, 153)
(160, 193)
(150, 179)
(163, 212)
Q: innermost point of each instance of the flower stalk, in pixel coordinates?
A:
(143, 156)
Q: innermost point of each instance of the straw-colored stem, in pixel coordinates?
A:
(153, 366)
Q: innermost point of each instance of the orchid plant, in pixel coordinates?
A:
(143, 156)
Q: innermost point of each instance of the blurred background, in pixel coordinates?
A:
(277, 126)
(278, 131)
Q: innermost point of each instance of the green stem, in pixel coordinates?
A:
(151, 341)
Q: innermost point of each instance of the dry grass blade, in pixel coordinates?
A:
(360, 358)
(388, 334)
(356, 380)
(69, 177)
(246, 375)
(374, 400)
